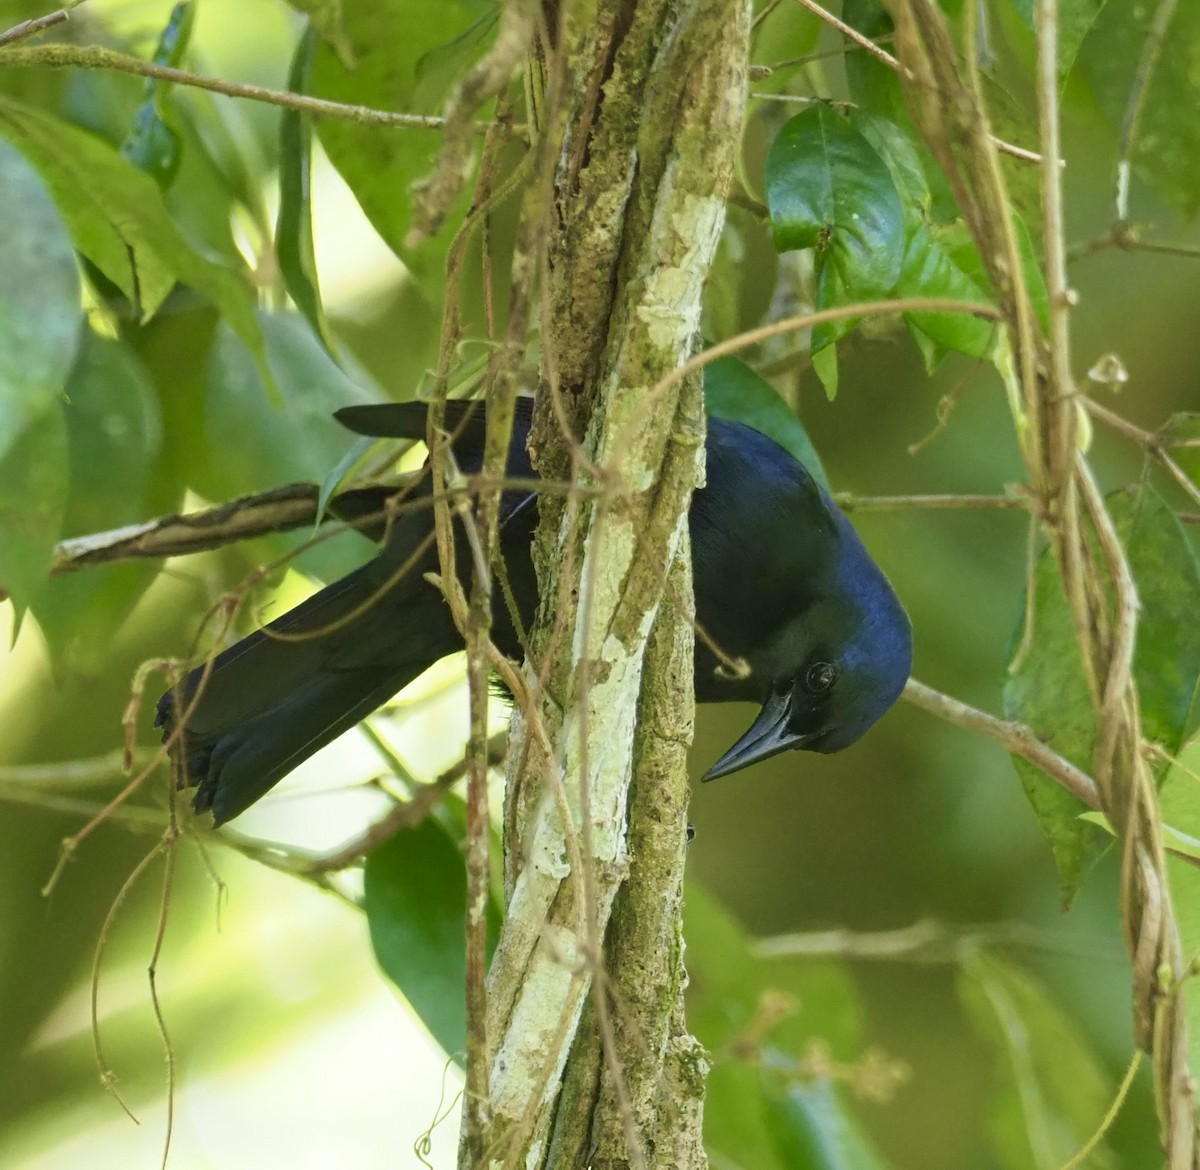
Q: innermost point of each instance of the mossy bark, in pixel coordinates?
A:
(597, 789)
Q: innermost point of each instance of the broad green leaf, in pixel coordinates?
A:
(415, 896)
(325, 16)
(294, 229)
(1053, 1090)
(1167, 150)
(814, 1130)
(154, 145)
(33, 494)
(388, 39)
(1075, 20)
(732, 390)
(783, 33)
(829, 190)
(726, 989)
(874, 86)
(40, 322)
(118, 221)
(1049, 692)
(262, 445)
(445, 65)
(114, 435)
(931, 269)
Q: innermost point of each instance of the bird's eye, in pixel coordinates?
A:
(820, 677)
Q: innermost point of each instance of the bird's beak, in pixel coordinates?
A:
(768, 735)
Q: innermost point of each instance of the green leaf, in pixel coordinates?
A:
(1167, 150)
(1075, 20)
(1049, 693)
(262, 445)
(813, 1130)
(326, 17)
(294, 229)
(726, 986)
(114, 435)
(874, 86)
(117, 219)
(1054, 1091)
(154, 145)
(829, 190)
(33, 494)
(445, 65)
(415, 897)
(732, 390)
(941, 261)
(40, 321)
(388, 38)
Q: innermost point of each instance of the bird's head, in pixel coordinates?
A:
(833, 670)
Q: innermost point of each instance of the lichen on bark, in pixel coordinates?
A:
(642, 176)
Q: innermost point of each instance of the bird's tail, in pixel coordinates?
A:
(245, 720)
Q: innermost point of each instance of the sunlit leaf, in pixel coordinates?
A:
(445, 65)
(40, 322)
(733, 390)
(117, 219)
(388, 39)
(1053, 1091)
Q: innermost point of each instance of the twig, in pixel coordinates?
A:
(1152, 444)
(406, 815)
(923, 941)
(849, 502)
(71, 773)
(94, 57)
(30, 28)
(1016, 737)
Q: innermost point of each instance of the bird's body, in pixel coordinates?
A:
(781, 580)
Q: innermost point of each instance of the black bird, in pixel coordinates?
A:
(782, 580)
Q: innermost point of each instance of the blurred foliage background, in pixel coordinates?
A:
(288, 1047)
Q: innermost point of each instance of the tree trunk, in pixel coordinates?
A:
(646, 98)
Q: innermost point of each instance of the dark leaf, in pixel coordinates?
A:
(154, 145)
(294, 229)
(1167, 150)
(829, 190)
(733, 390)
(415, 896)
